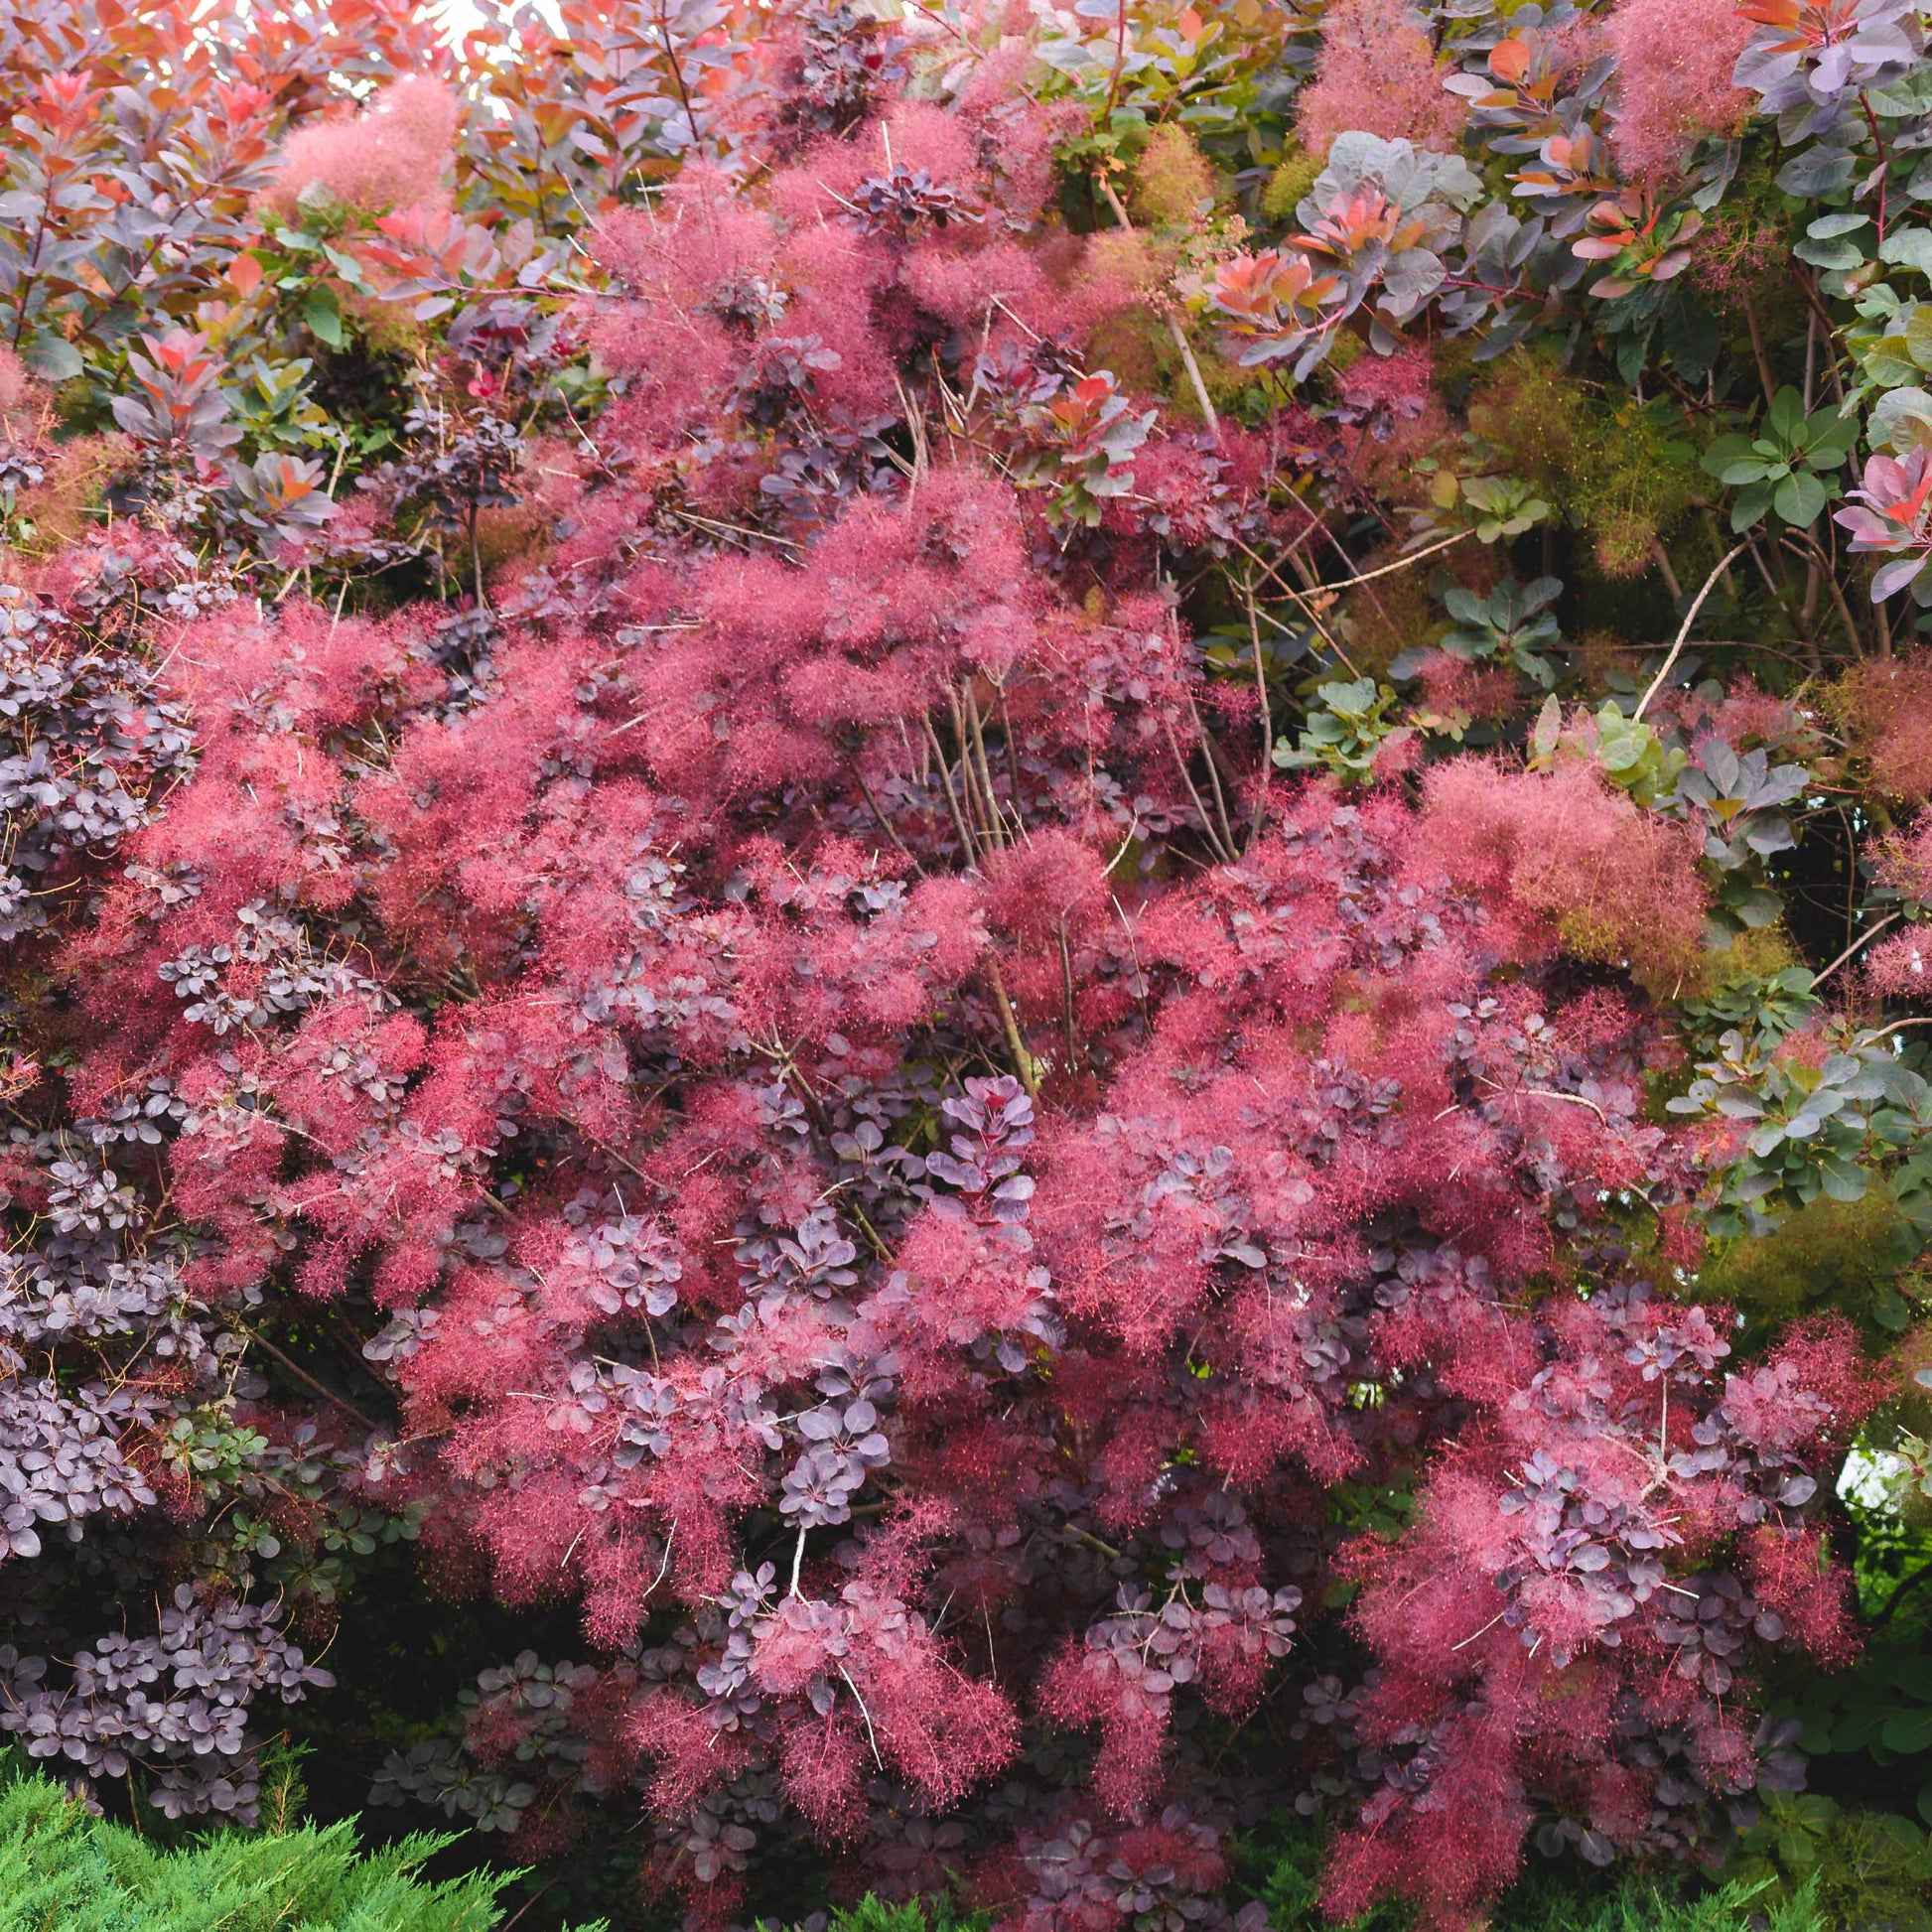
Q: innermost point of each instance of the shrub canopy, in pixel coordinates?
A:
(944, 863)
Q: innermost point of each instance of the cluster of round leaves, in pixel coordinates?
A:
(177, 1703)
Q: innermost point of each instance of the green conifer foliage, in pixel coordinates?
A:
(62, 1868)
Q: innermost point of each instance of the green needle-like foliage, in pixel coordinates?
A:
(62, 1870)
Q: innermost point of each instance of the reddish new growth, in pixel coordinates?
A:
(1673, 60)
(1378, 73)
(16, 388)
(1574, 1523)
(1562, 849)
(893, 1170)
(394, 155)
(1887, 708)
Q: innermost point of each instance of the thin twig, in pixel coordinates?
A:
(1175, 333)
(732, 529)
(986, 771)
(1758, 349)
(665, 1565)
(1823, 564)
(1186, 777)
(1267, 716)
(1864, 940)
(1896, 1026)
(1683, 629)
(1207, 746)
(1471, 1637)
(509, 1924)
(1133, 953)
(1022, 1060)
(966, 844)
(871, 1736)
(1067, 1000)
(301, 1374)
(1303, 603)
(886, 825)
(1401, 563)
(1575, 1099)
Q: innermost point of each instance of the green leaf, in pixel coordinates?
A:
(1690, 336)
(1549, 727)
(348, 267)
(1901, 419)
(323, 316)
(1829, 437)
(1836, 257)
(1619, 749)
(1908, 248)
(1901, 1831)
(1799, 499)
(1726, 451)
(1817, 170)
(1843, 1180)
(52, 358)
(1752, 501)
(1785, 415)
(1908, 1731)
(1350, 699)
(1915, 1676)
(1886, 364)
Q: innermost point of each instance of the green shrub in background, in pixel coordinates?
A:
(1636, 1907)
(1288, 1891)
(62, 1870)
(936, 1914)
(1280, 1867)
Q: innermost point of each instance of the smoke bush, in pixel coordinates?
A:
(770, 913)
(396, 155)
(1379, 73)
(1674, 65)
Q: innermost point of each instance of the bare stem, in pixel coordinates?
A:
(1176, 333)
(1683, 629)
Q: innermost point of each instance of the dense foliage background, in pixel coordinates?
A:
(973, 955)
